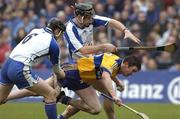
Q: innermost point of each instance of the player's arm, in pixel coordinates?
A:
(54, 52)
(107, 85)
(76, 44)
(97, 48)
(58, 71)
(119, 84)
(104, 21)
(106, 80)
(118, 25)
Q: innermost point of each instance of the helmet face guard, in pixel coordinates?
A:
(55, 23)
(84, 9)
(85, 12)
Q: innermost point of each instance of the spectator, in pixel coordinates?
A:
(99, 9)
(62, 16)
(5, 47)
(156, 22)
(3, 6)
(164, 60)
(144, 27)
(27, 24)
(152, 14)
(20, 35)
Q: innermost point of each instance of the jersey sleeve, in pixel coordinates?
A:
(108, 70)
(100, 21)
(73, 39)
(54, 52)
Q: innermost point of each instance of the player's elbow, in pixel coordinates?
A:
(89, 50)
(83, 51)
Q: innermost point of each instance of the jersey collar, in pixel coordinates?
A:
(47, 29)
(120, 62)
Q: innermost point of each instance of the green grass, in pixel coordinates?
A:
(35, 111)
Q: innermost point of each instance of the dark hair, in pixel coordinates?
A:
(133, 61)
(55, 23)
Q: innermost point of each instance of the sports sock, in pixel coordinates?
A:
(51, 110)
(63, 98)
(60, 117)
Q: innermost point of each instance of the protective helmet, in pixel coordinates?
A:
(54, 23)
(84, 9)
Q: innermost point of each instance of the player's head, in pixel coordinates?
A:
(130, 65)
(56, 26)
(84, 13)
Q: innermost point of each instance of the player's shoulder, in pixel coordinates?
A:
(37, 30)
(110, 56)
(69, 25)
(43, 32)
(98, 17)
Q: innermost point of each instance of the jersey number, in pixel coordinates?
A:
(27, 38)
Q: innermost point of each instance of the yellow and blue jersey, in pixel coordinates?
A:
(90, 68)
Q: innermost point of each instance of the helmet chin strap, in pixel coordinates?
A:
(57, 35)
(81, 21)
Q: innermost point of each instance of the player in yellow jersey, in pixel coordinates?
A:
(95, 72)
(88, 74)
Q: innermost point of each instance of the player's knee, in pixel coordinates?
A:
(96, 110)
(2, 101)
(50, 96)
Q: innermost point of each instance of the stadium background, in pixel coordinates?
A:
(154, 90)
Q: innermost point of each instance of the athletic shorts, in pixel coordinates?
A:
(14, 72)
(73, 81)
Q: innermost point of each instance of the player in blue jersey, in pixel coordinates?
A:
(17, 68)
(79, 36)
(79, 31)
(86, 74)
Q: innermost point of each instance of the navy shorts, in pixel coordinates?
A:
(73, 81)
(14, 72)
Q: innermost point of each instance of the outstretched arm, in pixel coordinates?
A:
(98, 48)
(106, 84)
(118, 25)
(119, 84)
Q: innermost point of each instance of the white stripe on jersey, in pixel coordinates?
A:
(78, 37)
(71, 37)
(103, 21)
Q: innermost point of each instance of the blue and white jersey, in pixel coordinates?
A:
(37, 44)
(78, 37)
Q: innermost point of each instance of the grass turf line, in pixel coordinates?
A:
(36, 111)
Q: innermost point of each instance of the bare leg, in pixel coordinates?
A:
(20, 94)
(44, 89)
(4, 92)
(25, 93)
(107, 105)
(70, 111)
(109, 109)
(49, 94)
(89, 103)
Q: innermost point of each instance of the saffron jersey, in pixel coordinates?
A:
(91, 68)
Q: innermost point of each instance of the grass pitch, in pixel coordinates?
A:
(36, 111)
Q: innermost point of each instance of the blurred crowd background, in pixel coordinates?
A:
(155, 22)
